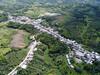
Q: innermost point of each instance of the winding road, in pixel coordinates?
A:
(84, 55)
(27, 59)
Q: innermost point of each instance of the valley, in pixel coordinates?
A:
(49, 37)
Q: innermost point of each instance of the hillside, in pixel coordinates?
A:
(49, 37)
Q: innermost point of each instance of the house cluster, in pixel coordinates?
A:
(79, 52)
(20, 19)
(69, 62)
(82, 54)
(29, 56)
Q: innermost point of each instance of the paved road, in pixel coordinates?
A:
(86, 56)
(27, 59)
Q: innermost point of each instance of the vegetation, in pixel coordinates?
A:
(49, 59)
(3, 17)
(81, 23)
(78, 21)
(10, 57)
(5, 39)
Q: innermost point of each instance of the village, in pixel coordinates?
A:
(77, 50)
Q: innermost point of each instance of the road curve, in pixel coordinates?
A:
(27, 59)
(84, 55)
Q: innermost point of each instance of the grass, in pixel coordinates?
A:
(12, 59)
(27, 38)
(53, 72)
(46, 57)
(9, 57)
(4, 50)
(34, 11)
(2, 24)
(15, 57)
(5, 38)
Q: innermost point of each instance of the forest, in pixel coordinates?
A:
(78, 21)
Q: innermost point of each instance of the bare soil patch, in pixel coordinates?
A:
(18, 40)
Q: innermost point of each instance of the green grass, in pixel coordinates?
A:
(5, 38)
(2, 24)
(34, 11)
(9, 58)
(53, 72)
(15, 57)
(27, 38)
(47, 58)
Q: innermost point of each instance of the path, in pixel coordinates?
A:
(81, 53)
(27, 59)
